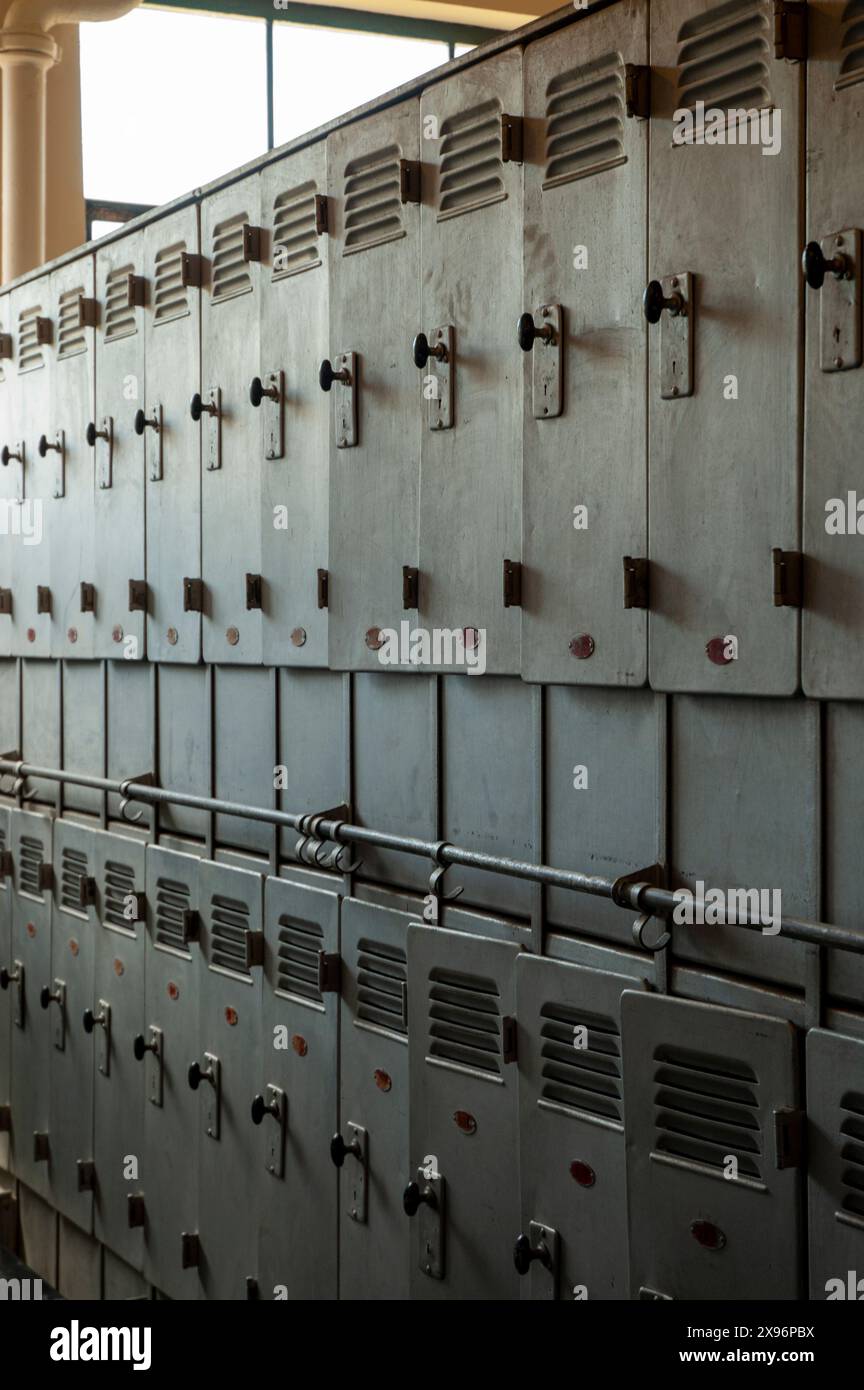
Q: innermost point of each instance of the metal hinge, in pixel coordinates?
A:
(635, 583)
(190, 1250)
(137, 595)
(43, 599)
(329, 972)
(44, 331)
(88, 597)
(410, 586)
(409, 180)
(86, 891)
(637, 90)
(508, 1039)
(5, 600)
(86, 1175)
(193, 595)
(511, 139)
(191, 270)
(322, 214)
(512, 584)
(789, 1133)
(788, 578)
(136, 292)
(88, 312)
(790, 30)
(191, 925)
(46, 877)
(7, 863)
(251, 242)
(254, 945)
(254, 591)
(323, 588)
(6, 345)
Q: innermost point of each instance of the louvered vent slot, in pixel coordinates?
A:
(585, 1078)
(31, 859)
(120, 321)
(170, 300)
(723, 58)
(30, 355)
(707, 1109)
(295, 231)
(852, 60)
(230, 274)
(470, 173)
(73, 871)
(71, 337)
(465, 1020)
(852, 1152)
(585, 121)
(373, 205)
(173, 899)
(382, 982)
(119, 886)
(297, 958)
(229, 923)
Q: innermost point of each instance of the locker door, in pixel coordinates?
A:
(584, 475)
(374, 1235)
(115, 1018)
(231, 464)
(69, 498)
(711, 1099)
(374, 303)
(32, 602)
(5, 996)
(832, 662)
(118, 452)
(463, 1184)
(835, 1161)
(225, 1073)
(31, 1035)
(293, 440)
(10, 478)
(841, 817)
(169, 1041)
(472, 283)
(172, 441)
(572, 1159)
(64, 994)
(295, 1098)
(723, 461)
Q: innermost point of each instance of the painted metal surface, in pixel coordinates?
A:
(835, 1114)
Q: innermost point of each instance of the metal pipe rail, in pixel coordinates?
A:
(629, 893)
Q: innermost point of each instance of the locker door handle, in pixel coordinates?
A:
(93, 434)
(197, 1074)
(9, 977)
(140, 1047)
(326, 375)
(258, 392)
(49, 996)
(654, 301)
(524, 1255)
(415, 1196)
(43, 446)
(527, 332)
(421, 351)
(260, 1108)
(199, 407)
(91, 1020)
(339, 1150)
(817, 266)
(8, 454)
(144, 422)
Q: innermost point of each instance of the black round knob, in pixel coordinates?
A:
(526, 332)
(326, 375)
(420, 350)
(91, 435)
(140, 421)
(5, 455)
(195, 406)
(338, 1150)
(259, 1109)
(4, 978)
(654, 301)
(42, 446)
(194, 1076)
(45, 996)
(523, 1254)
(139, 1047)
(814, 265)
(89, 1021)
(256, 391)
(412, 1199)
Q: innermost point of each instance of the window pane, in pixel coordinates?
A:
(322, 73)
(169, 101)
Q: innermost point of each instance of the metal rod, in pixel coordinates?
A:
(630, 896)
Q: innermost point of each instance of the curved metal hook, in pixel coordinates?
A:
(639, 935)
(125, 802)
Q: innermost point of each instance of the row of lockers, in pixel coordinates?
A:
(609, 500)
(246, 1087)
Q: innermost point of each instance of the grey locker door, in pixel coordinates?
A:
(183, 710)
(832, 658)
(571, 1106)
(118, 452)
(464, 1150)
(298, 1078)
(10, 476)
(5, 996)
(835, 1162)
(584, 471)
(40, 726)
(229, 1040)
(711, 1098)
(83, 725)
(172, 439)
(723, 462)
(293, 437)
(70, 989)
(841, 817)
(119, 1209)
(69, 498)
(170, 1168)
(31, 837)
(131, 736)
(470, 477)
(374, 303)
(231, 464)
(244, 752)
(32, 547)
(374, 1234)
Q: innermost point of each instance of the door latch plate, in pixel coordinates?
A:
(153, 1063)
(212, 1097)
(274, 415)
(358, 1175)
(546, 360)
(103, 1040)
(213, 427)
(105, 452)
(840, 305)
(346, 401)
(59, 488)
(18, 1015)
(676, 340)
(544, 1277)
(274, 1158)
(58, 1025)
(431, 1227)
(441, 380)
(153, 445)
